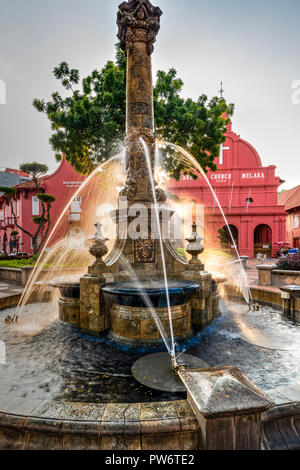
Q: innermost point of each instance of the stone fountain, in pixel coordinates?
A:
(193, 302)
(223, 409)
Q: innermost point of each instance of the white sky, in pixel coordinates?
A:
(252, 45)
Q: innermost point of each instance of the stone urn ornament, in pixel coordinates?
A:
(98, 248)
(195, 247)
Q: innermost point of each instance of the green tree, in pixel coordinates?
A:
(43, 221)
(224, 237)
(88, 123)
(35, 170)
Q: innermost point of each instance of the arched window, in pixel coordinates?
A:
(228, 236)
(263, 234)
(263, 240)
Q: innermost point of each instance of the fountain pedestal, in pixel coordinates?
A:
(228, 407)
(94, 317)
(140, 255)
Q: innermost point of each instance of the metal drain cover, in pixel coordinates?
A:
(155, 371)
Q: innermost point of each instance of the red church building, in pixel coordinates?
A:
(247, 191)
(248, 194)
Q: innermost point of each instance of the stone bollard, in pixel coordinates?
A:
(244, 260)
(265, 274)
(290, 296)
(228, 407)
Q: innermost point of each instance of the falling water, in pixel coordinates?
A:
(157, 215)
(147, 301)
(189, 159)
(42, 260)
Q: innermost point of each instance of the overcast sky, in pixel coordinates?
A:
(252, 45)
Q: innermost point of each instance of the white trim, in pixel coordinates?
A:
(35, 206)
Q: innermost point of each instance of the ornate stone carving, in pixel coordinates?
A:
(98, 248)
(136, 164)
(138, 20)
(195, 247)
(145, 251)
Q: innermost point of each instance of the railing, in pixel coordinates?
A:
(8, 222)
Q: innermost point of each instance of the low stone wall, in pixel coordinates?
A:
(28, 424)
(21, 275)
(285, 278)
(11, 275)
(81, 426)
(10, 300)
(261, 295)
(281, 427)
(268, 275)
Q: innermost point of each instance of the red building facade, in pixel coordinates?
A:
(247, 191)
(291, 201)
(62, 184)
(248, 194)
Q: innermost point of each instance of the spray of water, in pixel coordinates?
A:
(44, 258)
(147, 301)
(190, 162)
(157, 216)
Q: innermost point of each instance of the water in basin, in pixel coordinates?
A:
(46, 359)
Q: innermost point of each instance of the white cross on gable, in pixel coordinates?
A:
(221, 153)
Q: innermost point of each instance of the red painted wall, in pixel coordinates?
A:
(62, 184)
(293, 232)
(240, 176)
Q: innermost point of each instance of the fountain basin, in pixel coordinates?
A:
(69, 301)
(68, 289)
(131, 305)
(134, 294)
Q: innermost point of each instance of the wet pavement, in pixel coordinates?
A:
(46, 359)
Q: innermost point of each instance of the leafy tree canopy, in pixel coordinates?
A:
(47, 198)
(88, 123)
(35, 169)
(8, 191)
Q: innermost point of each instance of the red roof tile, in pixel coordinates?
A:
(284, 198)
(29, 184)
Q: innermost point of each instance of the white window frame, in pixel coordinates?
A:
(296, 221)
(35, 206)
(76, 208)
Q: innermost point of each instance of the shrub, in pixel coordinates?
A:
(17, 263)
(47, 198)
(290, 263)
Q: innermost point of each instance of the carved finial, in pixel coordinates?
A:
(138, 21)
(98, 248)
(195, 247)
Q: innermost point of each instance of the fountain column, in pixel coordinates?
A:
(139, 23)
(139, 252)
